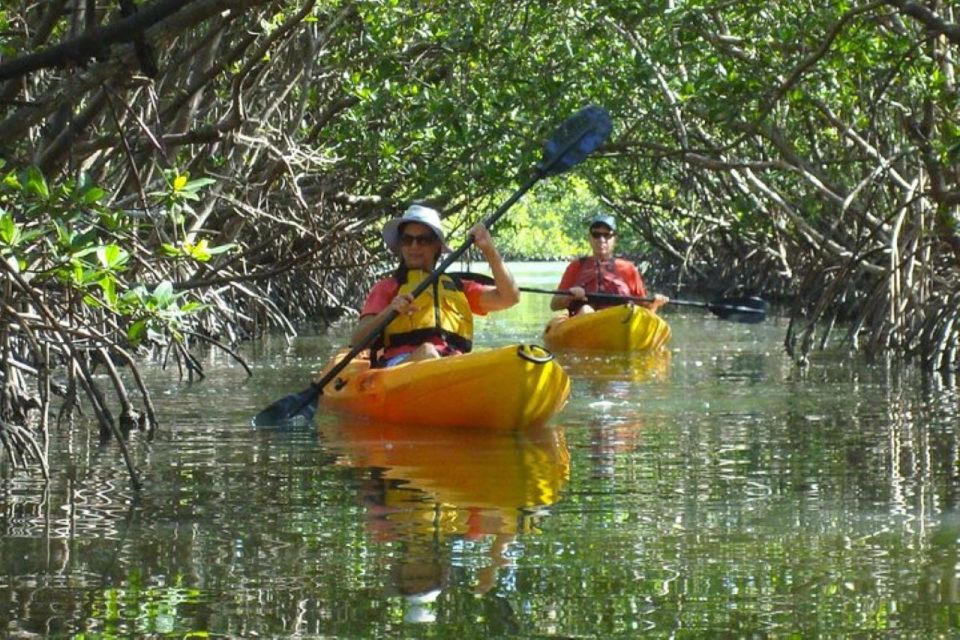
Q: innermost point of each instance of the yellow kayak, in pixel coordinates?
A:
(512, 387)
(623, 328)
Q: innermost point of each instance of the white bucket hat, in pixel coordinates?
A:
(416, 213)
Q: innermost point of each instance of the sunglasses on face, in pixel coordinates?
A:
(601, 234)
(409, 239)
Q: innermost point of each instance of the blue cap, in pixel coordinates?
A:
(602, 218)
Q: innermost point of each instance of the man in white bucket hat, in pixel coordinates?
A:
(440, 321)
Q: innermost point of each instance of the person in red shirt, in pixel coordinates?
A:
(440, 321)
(601, 273)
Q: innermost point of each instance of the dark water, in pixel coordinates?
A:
(713, 490)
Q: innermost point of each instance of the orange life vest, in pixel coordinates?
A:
(599, 276)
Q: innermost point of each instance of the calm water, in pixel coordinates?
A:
(712, 490)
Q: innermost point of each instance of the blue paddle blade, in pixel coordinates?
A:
(574, 140)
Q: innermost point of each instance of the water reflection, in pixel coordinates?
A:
(620, 367)
(715, 492)
(425, 491)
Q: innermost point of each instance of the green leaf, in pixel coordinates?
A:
(91, 301)
(9, 230)
(163, 294)
(198, 251)
(134, 296)
(12, 181)
(195, 185)
(112, 256)
(136, 331)
(92, 195)
(223, 248)
(36, 183)
(193, 305)
(109, 287)
(170, 250)
(64, 234)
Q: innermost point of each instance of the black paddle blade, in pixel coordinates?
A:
(746, 310)
(294, 410)
(574, 140)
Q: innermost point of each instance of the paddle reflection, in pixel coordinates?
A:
(428, 488)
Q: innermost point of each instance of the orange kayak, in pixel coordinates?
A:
(622, 328)
(512, 387)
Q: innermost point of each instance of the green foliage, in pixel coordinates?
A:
(63, 241)
(176, 199)
(548, 224)
(452, 103)
(200, 251)
(727, 115)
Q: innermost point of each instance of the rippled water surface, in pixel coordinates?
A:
(713, 489)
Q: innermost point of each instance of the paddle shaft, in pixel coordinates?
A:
(622, 298)
(601, 296)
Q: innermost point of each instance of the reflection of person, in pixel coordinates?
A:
(425, 491)
(395, 512)
(420, 578)
(440, 321)
(601, 273)
(420, 528)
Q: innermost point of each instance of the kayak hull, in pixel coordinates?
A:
(512, 387)
(622, 328)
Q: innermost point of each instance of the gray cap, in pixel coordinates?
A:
(602, 218)
(416, 213)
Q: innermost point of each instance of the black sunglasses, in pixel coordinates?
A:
(426, 239)
(602, 234)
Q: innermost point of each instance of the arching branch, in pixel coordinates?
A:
(94, 44)
(933, 22)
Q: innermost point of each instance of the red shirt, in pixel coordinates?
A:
(384, 291)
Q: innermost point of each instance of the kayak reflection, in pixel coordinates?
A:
(426, 488)
(482, 481)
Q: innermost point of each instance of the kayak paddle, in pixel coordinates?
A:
(748, 310)
(570, 144)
